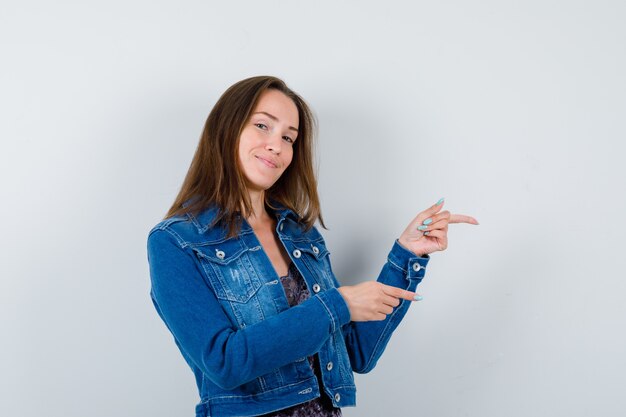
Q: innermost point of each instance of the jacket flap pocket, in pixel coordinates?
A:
(316, 249)
(229, 270)
(221, 253)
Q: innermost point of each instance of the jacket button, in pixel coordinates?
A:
(416, 267)
(220, 254)
(316, 288)
(329, 366)
(337, 397)
(296, 253)
(316, 250)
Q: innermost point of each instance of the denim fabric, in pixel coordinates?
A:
(225, 306)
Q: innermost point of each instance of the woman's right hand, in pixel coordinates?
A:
(372, 300)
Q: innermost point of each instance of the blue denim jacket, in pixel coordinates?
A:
(225, 306)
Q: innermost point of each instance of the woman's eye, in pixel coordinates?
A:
(260, 125)
(288, 139)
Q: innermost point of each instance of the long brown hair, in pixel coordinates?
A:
(215, 177)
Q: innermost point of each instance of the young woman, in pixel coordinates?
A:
(243, 280)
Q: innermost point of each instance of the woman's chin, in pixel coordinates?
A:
(260, 186)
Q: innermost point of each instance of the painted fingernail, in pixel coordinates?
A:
(426, 233)
(440, 201)
(422, 227)
(427, 221)
(418, 298)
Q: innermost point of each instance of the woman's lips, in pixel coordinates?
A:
(266, 162)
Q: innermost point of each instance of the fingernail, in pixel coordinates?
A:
(427, 221)
(422, 227)
(418, 298)
(426, 233)
(440, 201)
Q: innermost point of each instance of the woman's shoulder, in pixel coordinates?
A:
(191, 227)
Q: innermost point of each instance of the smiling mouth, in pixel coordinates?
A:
(266, 162)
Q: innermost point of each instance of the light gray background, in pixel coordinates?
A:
(513, 111)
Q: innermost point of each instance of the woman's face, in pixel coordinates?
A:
(266, 141)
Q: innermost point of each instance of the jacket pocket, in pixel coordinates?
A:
(316, 257)
(229, 270)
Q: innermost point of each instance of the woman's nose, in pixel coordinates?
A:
(274, 144)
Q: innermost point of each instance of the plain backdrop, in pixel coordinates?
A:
(513, 111)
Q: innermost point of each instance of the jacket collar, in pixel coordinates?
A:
(204, 219)
(282, 212)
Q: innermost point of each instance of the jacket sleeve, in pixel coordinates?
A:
(366, 341)
(227, 355)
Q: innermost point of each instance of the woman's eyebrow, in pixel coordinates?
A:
(271, 116)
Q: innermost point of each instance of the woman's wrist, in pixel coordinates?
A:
(405, 246)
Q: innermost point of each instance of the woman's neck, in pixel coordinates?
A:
(259, 215)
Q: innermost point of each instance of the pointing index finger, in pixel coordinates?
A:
(461, 218)
(398, 292)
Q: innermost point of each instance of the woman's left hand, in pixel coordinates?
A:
(434, 234)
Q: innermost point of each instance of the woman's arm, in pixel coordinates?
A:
(227, 355)
(366, 340)
(405, 268)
